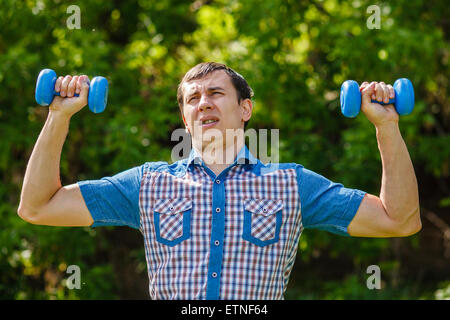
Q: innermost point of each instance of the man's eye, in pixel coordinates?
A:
(190, 99)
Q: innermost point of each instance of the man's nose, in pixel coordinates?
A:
(204, 103)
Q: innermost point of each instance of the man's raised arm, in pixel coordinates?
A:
(396, 211)
(43, 199)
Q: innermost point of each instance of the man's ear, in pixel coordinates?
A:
(247, 108)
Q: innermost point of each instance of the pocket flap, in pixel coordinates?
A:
(263, 206)
(172, 206)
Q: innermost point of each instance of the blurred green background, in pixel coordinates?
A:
(295, 55)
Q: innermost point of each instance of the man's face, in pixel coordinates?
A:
(212, 103)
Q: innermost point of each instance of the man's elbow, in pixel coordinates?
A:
(412, 226)
(27, 214)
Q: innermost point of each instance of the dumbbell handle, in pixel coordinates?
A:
(58, 94)
(391, 101)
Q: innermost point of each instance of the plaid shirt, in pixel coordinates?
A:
(231, 236)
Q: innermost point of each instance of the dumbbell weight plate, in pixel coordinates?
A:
(45, 85)
(350, 98)
(404, 96)
(98, 94)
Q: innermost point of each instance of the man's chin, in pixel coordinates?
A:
(208, 134)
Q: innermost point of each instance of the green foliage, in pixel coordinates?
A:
(444, 292)
(294, 54)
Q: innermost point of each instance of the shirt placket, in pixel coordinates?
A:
(216, 242)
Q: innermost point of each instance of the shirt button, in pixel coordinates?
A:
(218, 181)
(217, 210)
(214, 275)
(217, 242)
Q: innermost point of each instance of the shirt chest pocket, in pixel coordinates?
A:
(262, 221)
(172, 220)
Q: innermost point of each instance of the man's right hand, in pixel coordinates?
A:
(43, 199)
(67, 104)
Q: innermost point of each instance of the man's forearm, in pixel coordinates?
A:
(399, 192)
(42, 176)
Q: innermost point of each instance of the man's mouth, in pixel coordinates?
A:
(209, 121)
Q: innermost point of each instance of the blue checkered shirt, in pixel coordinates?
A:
(231, 236)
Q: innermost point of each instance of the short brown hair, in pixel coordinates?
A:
(199, 71)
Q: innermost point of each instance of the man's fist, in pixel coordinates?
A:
(376, 113)
(67, 104)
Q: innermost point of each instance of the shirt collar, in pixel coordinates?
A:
(244, 156)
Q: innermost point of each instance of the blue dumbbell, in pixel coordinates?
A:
(351, 98)
(45, 91)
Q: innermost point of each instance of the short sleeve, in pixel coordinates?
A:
(326, 205)
(114, 201)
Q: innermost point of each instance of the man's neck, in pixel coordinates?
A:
(218, 158)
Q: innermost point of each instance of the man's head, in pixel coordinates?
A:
(212, 95)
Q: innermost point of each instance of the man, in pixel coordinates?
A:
(220, 225)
